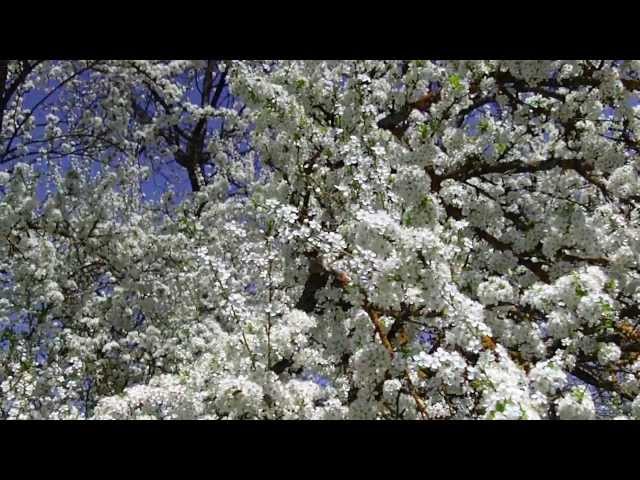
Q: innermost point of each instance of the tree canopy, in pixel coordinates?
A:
(319, 239)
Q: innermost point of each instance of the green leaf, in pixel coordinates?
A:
(607, 315)
(501, 148)
(455, 82)
(580, 291)
(434, 126)
(424, 131)
(270, 224)
(523, 414)
(479, 384)
(578, 394)
(187, 227)
(501, 406)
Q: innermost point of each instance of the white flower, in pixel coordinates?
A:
(495, 290)
(609, 353)
(635, 408)
(548, 377)
(577, 404)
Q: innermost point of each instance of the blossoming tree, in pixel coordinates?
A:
(364, 240)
